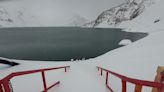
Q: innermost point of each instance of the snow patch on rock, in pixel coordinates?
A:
(124, 12)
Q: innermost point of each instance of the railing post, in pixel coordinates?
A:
(101, 71)
(162, 80)
(159, 78)
(123, 86)
(44, 81)
(161, 90)
(106, 78)
(1, 87)
(65, 69)
(158, 84)
(138, 88)
(6, 86)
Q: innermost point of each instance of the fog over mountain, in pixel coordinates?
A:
(52, 12)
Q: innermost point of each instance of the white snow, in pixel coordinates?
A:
(137, 60)
(125, 42)
(145, 22)
(3, 66)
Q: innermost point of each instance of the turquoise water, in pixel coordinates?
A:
(60, 43)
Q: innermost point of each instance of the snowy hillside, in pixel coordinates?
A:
(77, 21)
(151, 20)
(52, 12)
(121, 13)
(16, 18)
(5, 18)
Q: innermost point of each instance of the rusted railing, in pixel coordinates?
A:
(138, 83)
(5, 82)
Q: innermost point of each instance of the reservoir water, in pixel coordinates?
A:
(60, 43)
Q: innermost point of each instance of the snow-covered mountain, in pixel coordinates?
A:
(124, 12)
(77, 21)
(17, 18)
(5, 18)
(27, 13)
(151, 20)
(53, 12)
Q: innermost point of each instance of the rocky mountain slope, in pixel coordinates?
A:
(124, 12)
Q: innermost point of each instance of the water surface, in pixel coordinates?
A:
(60, 43)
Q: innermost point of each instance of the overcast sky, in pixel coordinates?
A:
(58, 12)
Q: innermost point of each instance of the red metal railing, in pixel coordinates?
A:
(138, 83)
(5, 82)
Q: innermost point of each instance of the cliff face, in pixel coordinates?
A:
(124, 12)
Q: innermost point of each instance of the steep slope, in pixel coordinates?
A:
(124, 12)
(151, 20)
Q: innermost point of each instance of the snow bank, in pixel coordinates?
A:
(125, 42)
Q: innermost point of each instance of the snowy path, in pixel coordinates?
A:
(81, 78)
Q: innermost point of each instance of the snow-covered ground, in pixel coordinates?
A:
(137, 60)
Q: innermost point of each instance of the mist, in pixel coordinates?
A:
(60, 12)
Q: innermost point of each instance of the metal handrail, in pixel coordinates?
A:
(137, 82)
(4, 83)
